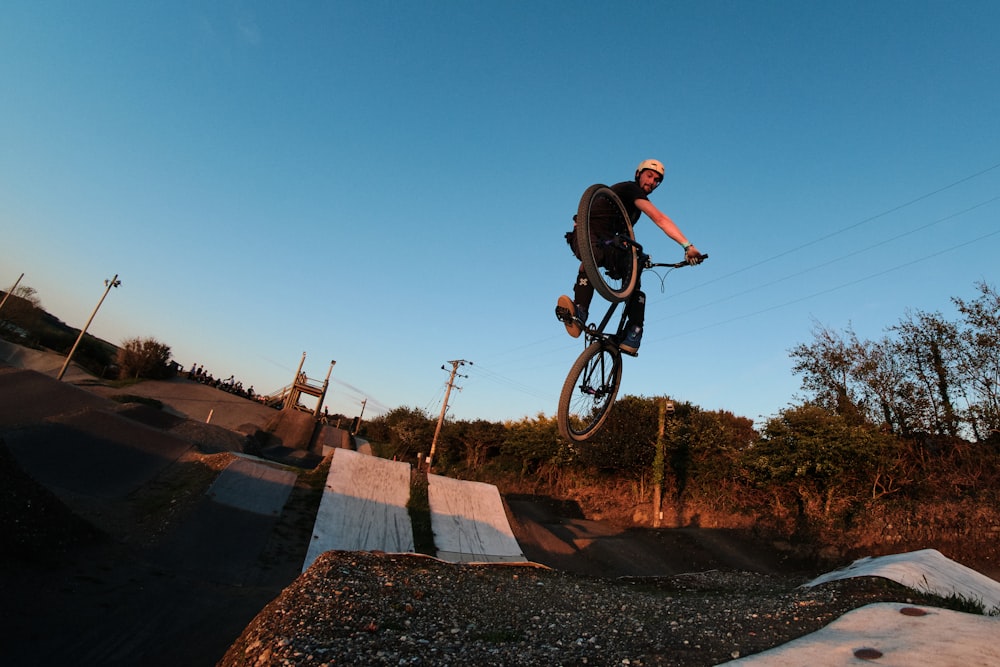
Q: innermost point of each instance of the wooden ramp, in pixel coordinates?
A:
(363, 507)
(469, 523)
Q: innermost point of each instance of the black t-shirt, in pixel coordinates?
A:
(605, 221)
(628, 192)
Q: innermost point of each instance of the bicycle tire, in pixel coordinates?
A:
(589, 391)
(615, 287)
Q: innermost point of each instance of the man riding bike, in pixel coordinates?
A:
(634, 195)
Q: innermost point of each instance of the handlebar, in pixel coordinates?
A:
(676, 265)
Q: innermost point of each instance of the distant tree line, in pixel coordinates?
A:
(896, 442)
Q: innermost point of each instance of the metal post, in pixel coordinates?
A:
(114, 282)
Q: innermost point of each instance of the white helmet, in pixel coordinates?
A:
(655, 165)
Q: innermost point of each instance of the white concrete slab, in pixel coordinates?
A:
(469, 522)
(252, 486)
(363, 507)
(899, 634)
(891, 635)
(927, 571)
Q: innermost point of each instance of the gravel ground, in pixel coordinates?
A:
(354, 608)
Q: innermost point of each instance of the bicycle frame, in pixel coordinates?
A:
(592, 385)
(591, 332)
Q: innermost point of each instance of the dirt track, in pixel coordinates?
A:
(162, 590)
(554, 534)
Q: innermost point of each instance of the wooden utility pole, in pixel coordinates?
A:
(659, 461)
(444, 408)
(326, 384)
(357, 424)
(114, 282)
(11, 291)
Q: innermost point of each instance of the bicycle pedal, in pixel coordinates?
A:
(564, 314)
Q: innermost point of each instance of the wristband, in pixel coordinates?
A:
(685, 246)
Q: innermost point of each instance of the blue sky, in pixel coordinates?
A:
(387, 184)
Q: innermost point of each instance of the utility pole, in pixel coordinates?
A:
(444, 408)
(108, 284)
(10, 291)
(357, 424)
(666, 411)
(326, 384)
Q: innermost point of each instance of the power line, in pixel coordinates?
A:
(843, 229)
(480, 371)
(843, 257)
(849, 283)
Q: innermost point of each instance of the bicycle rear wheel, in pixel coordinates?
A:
(589, 392)
(611, 269)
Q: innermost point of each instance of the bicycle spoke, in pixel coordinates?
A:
(589, 392)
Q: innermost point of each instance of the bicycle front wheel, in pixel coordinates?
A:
(589, 392)
(612, 268)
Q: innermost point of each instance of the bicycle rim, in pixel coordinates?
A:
(589, 392)
(612, 271)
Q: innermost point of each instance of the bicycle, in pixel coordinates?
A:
(592, 385)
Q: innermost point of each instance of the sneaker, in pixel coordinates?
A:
(572, 315)
(632, 341)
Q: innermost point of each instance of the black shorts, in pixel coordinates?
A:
(615, 260)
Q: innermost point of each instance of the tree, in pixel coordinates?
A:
(533, 447)
(825, 461)
(626, 442)
(930, 375)
(477, 440)
(979, 360)
(143, 358)
(406, 431)
(827, 367)
(22, 311)
(929, 352)
(884, 383)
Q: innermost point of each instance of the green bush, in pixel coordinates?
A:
(145, 358)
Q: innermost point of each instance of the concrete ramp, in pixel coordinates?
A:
(225, 535)
(254, 487)
(928, 571)
(890, 634)
(363, 507)
(901, 634)
(469, 523)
